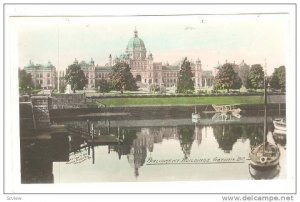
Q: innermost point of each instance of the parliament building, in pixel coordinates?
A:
(143, 68)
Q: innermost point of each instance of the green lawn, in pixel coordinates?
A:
(115, 102)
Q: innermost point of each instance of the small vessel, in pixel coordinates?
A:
(265, 155)
(279, 124)
(195, 115)
(265, 174)
(222, 117)
(281, 132)
(237, 115)
(224, 109)
(280, 139)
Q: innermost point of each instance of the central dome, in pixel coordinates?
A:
(135, 42)
(136, 48)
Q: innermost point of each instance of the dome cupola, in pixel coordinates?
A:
(136, 48)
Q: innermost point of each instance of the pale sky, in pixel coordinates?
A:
(169, 38)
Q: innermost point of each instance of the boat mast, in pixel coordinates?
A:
(265, 105)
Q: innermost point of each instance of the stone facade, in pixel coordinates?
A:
(143, 68)
(42, 75)
(141, 63)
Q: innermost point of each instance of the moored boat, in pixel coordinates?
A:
(195, 115)
(224, 109)
(279, 124)
(265, 155)
(265, 174)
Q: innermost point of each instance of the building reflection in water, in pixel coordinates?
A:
(138, 151)
(147, 137)
(138, 143)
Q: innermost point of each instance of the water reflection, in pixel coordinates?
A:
(227, 135)
(127, 160)
(186, 139)
(37, 158)
(264, 174)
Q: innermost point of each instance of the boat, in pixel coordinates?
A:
(266, 174)
(279, 124)
(281, 132)
(265, 155)
(237, 115)
(227, 109)
(222, 117)
(280, 139)
(195, 115)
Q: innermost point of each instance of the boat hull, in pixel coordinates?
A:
(279, 124)
(261, 174)
(264, 156)
(280, 132)
(196, 116)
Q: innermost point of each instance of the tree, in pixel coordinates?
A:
(25, 82)
(278, 78)
(103, 86)
(185, 82)
(256, 77)
(75, 77)
(227, 78)
(121, 78)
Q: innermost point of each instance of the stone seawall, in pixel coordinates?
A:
(61, 101)
(149, 112)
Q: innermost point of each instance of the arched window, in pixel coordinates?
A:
(138, 77)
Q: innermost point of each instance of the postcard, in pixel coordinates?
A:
(198, 95)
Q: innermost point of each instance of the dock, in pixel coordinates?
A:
(92, 138)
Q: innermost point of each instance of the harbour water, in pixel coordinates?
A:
(165, 149)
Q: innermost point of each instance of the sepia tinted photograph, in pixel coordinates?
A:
(169, 97)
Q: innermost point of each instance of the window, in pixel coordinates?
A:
(48, 81)
(48, 74)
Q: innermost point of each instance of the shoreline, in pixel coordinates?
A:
(185, 101)
(152, 112)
